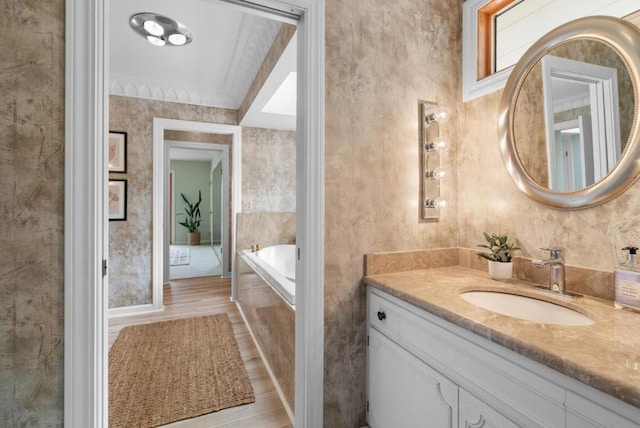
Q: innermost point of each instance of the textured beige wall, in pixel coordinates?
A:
(130, 241)
(381, 57)
(268, 170)
(32, 207)
(592, 237)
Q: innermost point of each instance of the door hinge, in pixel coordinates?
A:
(367, 340)
(367, 407)
(104, 268)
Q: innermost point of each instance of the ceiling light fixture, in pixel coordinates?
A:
(160, 30)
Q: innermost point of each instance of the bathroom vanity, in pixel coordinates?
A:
(435, 360)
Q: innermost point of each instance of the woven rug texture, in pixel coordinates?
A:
(173, 370)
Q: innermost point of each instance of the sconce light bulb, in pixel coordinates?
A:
(435, 203)
(436, 174)
(442, 114)
(439, 144)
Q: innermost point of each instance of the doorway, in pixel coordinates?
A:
(85, 197)
(204, 172)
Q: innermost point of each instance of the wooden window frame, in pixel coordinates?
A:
(487, 35)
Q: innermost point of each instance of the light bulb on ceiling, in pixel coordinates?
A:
(153, 28)
(177, 39)
(156, 41)
(160, 30)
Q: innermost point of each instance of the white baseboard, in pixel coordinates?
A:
(133, 310)
(186, 243)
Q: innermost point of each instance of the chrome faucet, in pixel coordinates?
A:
(556, 272)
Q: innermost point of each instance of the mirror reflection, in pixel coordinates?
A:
(573, 115)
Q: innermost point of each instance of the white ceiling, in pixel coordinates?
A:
(216, 69)
(197, 155)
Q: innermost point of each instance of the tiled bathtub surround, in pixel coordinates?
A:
(272, 322)
(592, 282)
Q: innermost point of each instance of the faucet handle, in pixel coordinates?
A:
(555, 252)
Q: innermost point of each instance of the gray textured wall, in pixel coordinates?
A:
(32, 212)
(268, 170)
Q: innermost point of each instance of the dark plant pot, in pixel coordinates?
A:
(194, 238)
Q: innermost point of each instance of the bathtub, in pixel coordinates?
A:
(277, 265)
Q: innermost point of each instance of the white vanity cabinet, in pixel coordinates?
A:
(424, 371)
(404, 391)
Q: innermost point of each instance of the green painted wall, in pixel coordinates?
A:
(190, 177)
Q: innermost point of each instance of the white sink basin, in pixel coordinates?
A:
(526, 308)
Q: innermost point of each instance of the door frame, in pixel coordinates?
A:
(86, 228)
(161, 259)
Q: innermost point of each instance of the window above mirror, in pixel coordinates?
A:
(495, 34)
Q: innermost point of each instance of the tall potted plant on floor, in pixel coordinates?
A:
(499, 257)
(192, 219)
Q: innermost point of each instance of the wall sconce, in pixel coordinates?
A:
(432, 144)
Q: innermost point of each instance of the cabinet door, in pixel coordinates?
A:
(476, 414)
(404, 391)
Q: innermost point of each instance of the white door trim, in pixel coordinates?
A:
(86, 117)
(85, 294)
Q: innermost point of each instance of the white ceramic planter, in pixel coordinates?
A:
(501, 271)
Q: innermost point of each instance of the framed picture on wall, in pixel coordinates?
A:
(117, 151)
(117, 200)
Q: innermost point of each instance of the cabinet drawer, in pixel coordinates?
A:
(384, 316)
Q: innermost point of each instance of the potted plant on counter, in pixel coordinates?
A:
(500, 255)
(192, 219)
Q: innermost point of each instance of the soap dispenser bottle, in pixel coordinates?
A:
(627, 282)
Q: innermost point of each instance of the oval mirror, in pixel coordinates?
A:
(569, 120)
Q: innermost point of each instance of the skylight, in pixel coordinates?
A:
(283, 100)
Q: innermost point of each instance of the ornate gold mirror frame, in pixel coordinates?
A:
(624, 38)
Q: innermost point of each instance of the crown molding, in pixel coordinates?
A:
(169, 91)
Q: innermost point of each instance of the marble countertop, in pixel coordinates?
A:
(605, 355)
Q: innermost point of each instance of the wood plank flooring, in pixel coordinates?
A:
(191, 297)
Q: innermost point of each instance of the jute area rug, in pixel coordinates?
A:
(172, 370)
